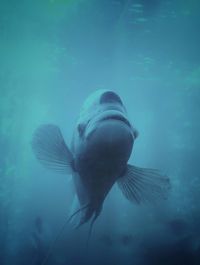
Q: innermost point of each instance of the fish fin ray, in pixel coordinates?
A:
(96, 214)
(142, 185)
(50, 149)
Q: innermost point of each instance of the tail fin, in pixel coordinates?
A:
(91, 227)
(90, 212)
(143, 184)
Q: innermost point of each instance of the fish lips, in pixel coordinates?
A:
(106, 116)
(113, 115)
(116, 117)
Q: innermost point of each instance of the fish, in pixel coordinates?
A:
(101, 147)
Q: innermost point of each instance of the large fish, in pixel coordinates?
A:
(98, 158)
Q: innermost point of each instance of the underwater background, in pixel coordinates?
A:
(53, 54)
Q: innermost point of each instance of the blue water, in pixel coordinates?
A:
(53, 54)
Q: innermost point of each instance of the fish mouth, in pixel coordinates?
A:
(117, 118)
(114, 115)
(104, 117)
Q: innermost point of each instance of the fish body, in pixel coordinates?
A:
(101, 146)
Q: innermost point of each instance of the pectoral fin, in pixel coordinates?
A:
(143, 184)
(50, 149)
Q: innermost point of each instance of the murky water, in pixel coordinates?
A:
(53, 54)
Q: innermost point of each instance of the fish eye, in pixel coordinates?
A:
(110, 97)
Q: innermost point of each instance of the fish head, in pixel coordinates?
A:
(104, 123)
